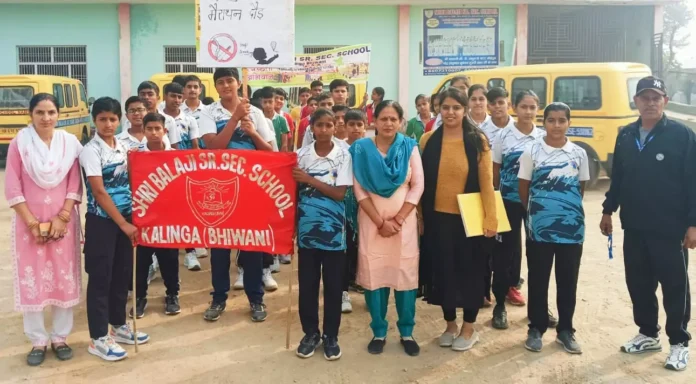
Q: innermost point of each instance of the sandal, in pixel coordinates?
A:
(36, 356)
(63, 352)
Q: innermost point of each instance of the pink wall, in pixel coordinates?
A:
(124, 49)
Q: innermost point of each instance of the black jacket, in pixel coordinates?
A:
(656, 187)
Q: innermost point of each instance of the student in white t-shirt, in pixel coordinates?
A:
(553, 173)
(507, 149)
(189, 135)
(477, 105)
(168, 258)
(498, 105)
(187, 125)
(192, 105)
(323, 173)
(233, 123)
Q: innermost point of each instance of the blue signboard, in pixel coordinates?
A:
(456, 39)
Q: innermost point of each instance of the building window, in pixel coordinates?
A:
(67, 61)
(536, 84)
(182, 58)
(310, 49)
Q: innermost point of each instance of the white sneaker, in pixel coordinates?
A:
(202, 253)
(275, 267)
(346, 306)
(124, 335)
(191, 262)
(642, 344)
(268, 281)
(285, 259)
(239, 283)
(106, 348)
(678, 357)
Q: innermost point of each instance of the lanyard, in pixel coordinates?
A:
(642, 146)
(610, 246)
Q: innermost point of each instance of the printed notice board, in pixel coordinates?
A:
(456, 39)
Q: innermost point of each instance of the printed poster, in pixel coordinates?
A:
(246, 33)
(351, 63)
(232, 199)
(456, 39)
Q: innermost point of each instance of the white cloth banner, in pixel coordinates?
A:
(244, 33)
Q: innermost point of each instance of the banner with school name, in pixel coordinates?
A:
(351, 63)
(231, 199)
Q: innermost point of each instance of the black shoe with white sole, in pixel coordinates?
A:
(308, 345)
(331, 349)
(171, 305)
(140, 306)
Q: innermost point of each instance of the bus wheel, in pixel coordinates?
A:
(85, 136)
(594, 165)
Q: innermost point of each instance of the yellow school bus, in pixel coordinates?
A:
(600, 96)
(17, 90)
(356, 92)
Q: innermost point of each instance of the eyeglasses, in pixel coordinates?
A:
(137, 110)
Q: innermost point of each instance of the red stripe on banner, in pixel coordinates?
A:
(236, 199)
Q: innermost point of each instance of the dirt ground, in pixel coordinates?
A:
(187, 349)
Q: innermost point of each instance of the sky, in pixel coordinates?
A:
(687, 56)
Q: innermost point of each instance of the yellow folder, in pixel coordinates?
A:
(471, 209)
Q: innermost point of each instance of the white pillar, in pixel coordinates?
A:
(124, 50)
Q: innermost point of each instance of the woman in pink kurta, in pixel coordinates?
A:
(42, 185)
(388, 185)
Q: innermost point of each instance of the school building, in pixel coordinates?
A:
(113, 45)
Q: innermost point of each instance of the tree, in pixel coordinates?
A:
(675, 37)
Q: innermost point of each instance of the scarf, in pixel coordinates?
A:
(46, 166)
(377, 174)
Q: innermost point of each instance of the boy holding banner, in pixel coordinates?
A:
(168, 258)
(324, 172)
(234, 124)
(109, 235)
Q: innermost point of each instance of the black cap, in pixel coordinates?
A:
(225, 72)
(653, 83)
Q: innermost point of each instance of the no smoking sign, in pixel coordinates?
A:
(222, 48)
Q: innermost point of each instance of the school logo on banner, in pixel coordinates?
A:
(212, 201)
(232, 199)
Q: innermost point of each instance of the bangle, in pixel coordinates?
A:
(397, 217)
(64, 218)
(33, 224)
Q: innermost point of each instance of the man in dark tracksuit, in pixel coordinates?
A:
(654, 183)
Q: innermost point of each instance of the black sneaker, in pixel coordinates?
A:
(308, 345)
(376, 346)
(500, 317)
(534, 342)
(214, 311)
(553, 321)
(171, 305)
(331, 349)
(258, 312)
(567, 340)
(140, 306)
(410, 347)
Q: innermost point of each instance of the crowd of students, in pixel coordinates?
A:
(375, 212)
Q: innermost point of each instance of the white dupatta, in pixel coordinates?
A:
(46, 166)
